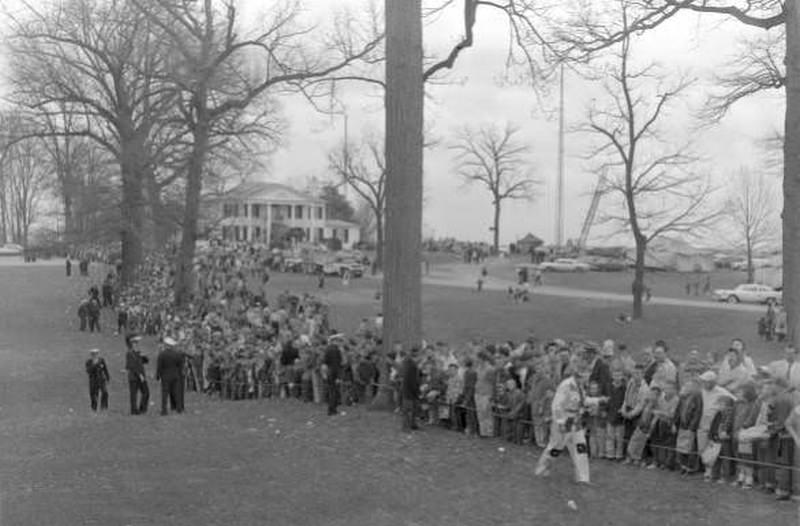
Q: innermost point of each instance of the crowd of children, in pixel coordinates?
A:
(720, 417)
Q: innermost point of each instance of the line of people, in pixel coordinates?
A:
(590, 399)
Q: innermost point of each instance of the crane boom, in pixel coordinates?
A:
(591, 213)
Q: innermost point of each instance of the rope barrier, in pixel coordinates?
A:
(470, 409)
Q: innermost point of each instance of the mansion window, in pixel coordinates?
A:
(319, 212)
(256, 212)
(298, 212)
(230, 210)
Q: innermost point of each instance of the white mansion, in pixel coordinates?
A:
(258, 211)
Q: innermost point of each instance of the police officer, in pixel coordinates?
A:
(566, 429)
(97, 370)
(137, 380)
(169, 370)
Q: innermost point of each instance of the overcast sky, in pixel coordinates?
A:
(686, 44)
(475, 98)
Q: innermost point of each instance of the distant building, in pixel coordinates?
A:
(528, 244)
(263, 212)
(678, 255)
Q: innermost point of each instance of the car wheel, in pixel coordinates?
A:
(733, 299)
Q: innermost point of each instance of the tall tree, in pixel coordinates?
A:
(404, 102)
(771, 16)
(98, 63)
(751, 209)
(495, 159)
(336, 204)
(217, 91)
(364, 170)
(659, 192)
(24, 178)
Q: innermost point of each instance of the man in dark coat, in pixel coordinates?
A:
(83, 313)
(410, 389)
(466, 408)
(108, 291)
(93, 310)
(97, 370)
(137, 380)
(69, 267)
(366, 375)
(332, 370)
(600, 370)
(169, 370)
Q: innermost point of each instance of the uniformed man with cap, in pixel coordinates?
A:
(566, 429)
(137, 380)
(97, 370)
(169, 370)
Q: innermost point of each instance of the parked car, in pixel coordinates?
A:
(294, 265)
(565, 265)
(340, 266)
(757, 263)
(748, 293)
(606, 264)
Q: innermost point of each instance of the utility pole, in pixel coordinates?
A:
(559, 237)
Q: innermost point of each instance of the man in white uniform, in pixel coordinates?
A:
(566, 429)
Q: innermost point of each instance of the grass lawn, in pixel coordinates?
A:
(662, 284)
(285, 463)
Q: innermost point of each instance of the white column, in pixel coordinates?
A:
(269, 223)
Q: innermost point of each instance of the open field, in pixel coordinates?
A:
(226, 463)
(662, 284)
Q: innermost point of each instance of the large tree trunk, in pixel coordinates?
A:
(4, 214)
(150, 213)
(638, 278)
(132, 223)
(791, 174)
(379, 241)
(194, 187)
(69, 223)
(496, 228)
(402, 298)
(750, 269)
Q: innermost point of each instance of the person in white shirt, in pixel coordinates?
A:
(666, 372)
(788, 368)
(711, 394)
(566, 428)
(736, 373)
(737, 345)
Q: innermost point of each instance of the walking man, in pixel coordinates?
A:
(97, 370)
(169, 370)
(331, 371)
(566, 428)
(137, 380)
(83, 313)
(108, 291)
(93, 310)
(410, 389)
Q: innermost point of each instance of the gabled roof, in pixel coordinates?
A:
(530, 238)
(273, 192)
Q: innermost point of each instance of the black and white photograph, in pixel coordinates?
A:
(399, 262)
